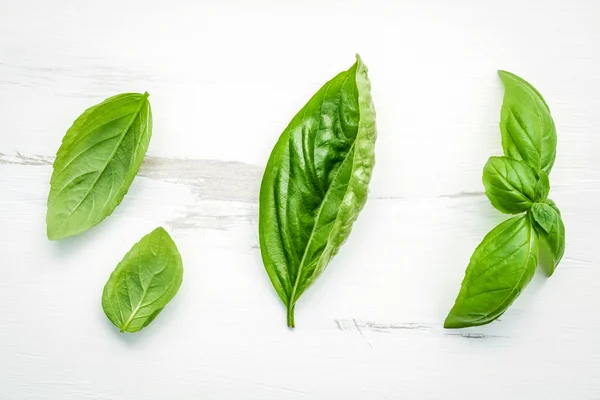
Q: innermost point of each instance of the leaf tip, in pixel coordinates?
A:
(50, 234)
(360, 65)
(505, 76)
(54, 233)
(450, 322)
(161, 232)
(455, 320)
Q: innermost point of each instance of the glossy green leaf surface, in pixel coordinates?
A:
(542, 186)
(527, 127)
(544, 215)
(552, 241)
(315, 183)
(97, 162)
(500, 268)
(509, 184)
(144, 282)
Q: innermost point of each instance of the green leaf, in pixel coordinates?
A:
(544, 215)
(528, 131)
(509, 184)
(500, 268)
(542, 186)
(144, 282)
(552, 242)
(315, 183)
(96, 163)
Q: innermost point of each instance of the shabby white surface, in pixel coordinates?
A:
(225, 78)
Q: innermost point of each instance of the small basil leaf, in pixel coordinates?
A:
(144, 282)
(552, 204)
(528, 131)
(500, 268)
(96, 163)
(544, 215)
(552, 242)
(315, 183)
(509, 184)
(542, 186)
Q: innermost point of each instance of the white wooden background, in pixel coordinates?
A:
(225, 78)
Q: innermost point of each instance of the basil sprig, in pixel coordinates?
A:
(505, 261)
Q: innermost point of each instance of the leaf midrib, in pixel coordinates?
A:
(110, 157)
(145, 293)
(539, 118)
(291, 300)
(312, 233)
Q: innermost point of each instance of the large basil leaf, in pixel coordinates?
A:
(144, 282)
(552, 239)
(528, 131)
(96, 163)
(316, 182)
(500, 268)
(509, 184)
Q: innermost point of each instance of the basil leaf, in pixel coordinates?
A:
(509, 184)
(144, 282)
(500, 268)
(542, 186)
(316, 182)
(552, 242)
(96, 163)
(528, 131)
(544, 215)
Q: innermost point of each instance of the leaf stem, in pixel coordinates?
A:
(290, 316)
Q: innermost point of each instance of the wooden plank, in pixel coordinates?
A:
(225, 78)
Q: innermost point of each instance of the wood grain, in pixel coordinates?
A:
(225, 78)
